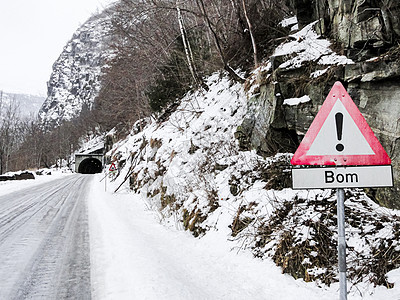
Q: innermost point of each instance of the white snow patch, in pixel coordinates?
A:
(296, 101)
(334, 59)
(294, 27)
(288, 21)
(319, 73)
(308, 46)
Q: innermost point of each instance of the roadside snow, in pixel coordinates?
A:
(7, 187)
(133, 256)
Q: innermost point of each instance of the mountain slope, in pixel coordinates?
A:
(28, 105)
(75, 80)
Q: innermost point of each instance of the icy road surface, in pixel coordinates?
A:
(44, 241)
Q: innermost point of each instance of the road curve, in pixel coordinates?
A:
(44, 241)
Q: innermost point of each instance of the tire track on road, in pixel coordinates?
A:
(44, 243)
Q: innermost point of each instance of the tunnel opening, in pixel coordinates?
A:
(90, 166)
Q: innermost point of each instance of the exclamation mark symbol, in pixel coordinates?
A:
(339, 130)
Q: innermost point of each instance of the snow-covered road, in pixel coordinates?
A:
(44, 241)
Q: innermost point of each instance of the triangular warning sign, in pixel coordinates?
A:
(339, 135)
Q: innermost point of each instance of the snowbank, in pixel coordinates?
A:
(7, 187)
(133, 256)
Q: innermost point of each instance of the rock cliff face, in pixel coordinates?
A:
(75, 82)
(291, 87)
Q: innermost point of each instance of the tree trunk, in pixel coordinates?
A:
(189, 57)
(253, 40)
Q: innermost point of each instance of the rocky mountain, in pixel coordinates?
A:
(74, 82)
(28, 105)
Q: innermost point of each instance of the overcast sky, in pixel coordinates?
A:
(32, 36)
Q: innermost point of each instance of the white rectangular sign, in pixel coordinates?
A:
(342, 177)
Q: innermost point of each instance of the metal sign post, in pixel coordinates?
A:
(341, 245)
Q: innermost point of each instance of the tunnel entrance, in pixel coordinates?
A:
(90, 165)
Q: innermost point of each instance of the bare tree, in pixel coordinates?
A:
(165, 47)
(250, 28)
(186, 44)
(227, 67)
(9, 135)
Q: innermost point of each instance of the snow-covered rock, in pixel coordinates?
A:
(75, 80)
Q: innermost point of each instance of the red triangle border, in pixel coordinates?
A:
(301, 158)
